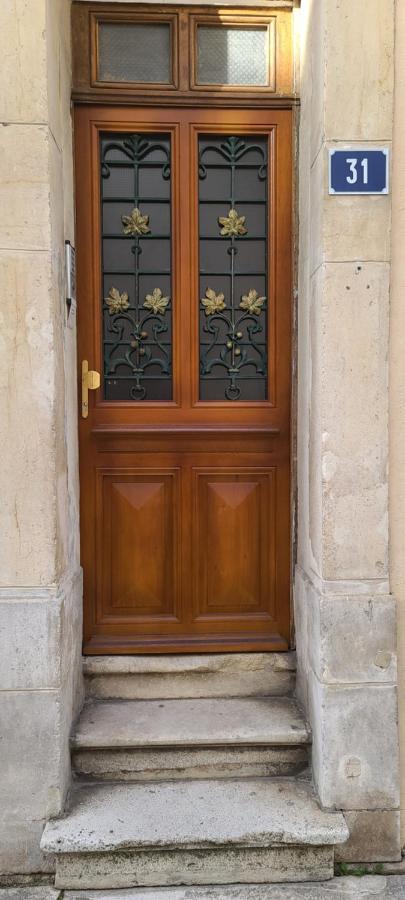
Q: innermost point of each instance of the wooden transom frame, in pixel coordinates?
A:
(141, 18)
(182, 87)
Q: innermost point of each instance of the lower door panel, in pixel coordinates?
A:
(187, 552)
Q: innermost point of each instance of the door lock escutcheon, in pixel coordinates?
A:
(90, 382)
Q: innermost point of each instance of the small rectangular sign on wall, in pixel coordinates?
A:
(364, 171)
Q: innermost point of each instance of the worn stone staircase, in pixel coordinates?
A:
(191, 770)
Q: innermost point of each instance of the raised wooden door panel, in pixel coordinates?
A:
(233, 544)
(138, 529)
(184, 260)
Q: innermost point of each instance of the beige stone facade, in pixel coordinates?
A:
(40, 578)
(345, 612)
(350, 574)
(397, 381)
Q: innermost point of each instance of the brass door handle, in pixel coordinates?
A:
(90, 382)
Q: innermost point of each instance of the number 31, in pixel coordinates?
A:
(353, 177)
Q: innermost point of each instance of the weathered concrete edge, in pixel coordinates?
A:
(193, 663)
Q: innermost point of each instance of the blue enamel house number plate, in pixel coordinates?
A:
(359, 171)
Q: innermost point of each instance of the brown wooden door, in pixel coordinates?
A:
(184, 307)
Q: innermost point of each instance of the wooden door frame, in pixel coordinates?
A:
(231, 102)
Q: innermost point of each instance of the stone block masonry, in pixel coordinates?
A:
(344, 612)
(40, 578)
(368, 887)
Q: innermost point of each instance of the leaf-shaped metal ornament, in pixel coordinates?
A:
(232, 224)
(252, 303)
(136, 223)
(156, 302)
(212, 302)
(116, 302)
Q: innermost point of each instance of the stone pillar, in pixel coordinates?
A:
(40, 581)
(397, 379)
(345, 614)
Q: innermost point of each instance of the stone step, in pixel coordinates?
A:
(219, 737)
(193, 832)
(204, 675)
(369, 887)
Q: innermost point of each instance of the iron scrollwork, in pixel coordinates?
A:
(233, 328)
(137, 346)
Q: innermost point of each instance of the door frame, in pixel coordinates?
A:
(232, 101)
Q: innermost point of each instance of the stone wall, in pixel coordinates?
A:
(345, 614)
(40, 579)
(397, 379)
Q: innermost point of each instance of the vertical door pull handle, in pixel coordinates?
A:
(90, 382)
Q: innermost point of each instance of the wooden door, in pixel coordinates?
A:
(184, 307)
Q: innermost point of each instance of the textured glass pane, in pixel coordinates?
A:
(232, 55)
(233, 268)
(136, 260)
(134, 52)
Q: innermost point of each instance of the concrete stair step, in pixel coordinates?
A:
(193, 832)
(217, 737)
(202, 675)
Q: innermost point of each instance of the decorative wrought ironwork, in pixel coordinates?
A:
(136, 223)
(212, 302)
(116, 302)
(232, 224)
(137, 327)
(252, 302)
(156, 302)
(233, 325)
(232, 149)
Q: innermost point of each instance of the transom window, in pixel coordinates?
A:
(134, 52)
(145, 50)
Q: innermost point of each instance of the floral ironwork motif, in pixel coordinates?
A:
(232, 224)
(156, 302)
(136, 223)
(233, 327)
(116, 302)
(212, 302)
(252, 302)
(137, 344)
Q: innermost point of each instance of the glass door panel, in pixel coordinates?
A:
(233, 266)
(135, 185)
